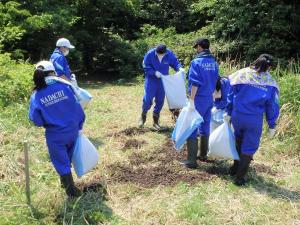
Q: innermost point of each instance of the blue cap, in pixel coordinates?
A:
(161, 49)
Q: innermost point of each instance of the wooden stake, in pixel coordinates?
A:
(26, 148)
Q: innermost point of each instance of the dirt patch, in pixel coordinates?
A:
(261, 168)
(131, 131)
(160, 167)
(94, 184)
(133, 143)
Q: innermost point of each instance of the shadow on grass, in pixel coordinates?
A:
(260, 183)
(36, 214)
(167, 131)
(99, 84)
(90, 208)
(97, 142)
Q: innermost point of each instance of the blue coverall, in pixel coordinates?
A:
(57, 110)
(60, 64)
(153, 85)
(220, 103)
(246, 106)
(203, 73)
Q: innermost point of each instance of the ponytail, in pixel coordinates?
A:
(39, 79)
(263, 63)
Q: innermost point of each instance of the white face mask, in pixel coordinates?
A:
(66, 52)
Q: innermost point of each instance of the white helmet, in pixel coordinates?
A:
(46, 66)
(63, 42)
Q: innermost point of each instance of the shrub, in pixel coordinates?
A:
(15, 81)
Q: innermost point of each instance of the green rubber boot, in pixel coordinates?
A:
(156, 122)
(202, 154)
(192, 148)
(142, 120)
(243, 167)
(234, 167)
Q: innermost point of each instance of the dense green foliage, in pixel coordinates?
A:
(15, 81)
(111, 36)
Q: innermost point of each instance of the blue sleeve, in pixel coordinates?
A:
(272, 109)
(229, 104)
(194, 76)
(81, 117)
(175, 64)
(35, 114)
(147, 66)
(60, 65)
(225, 88)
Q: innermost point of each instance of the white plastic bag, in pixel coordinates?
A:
(222, 143)
(83, 96)
(175, 90)
(85, 156)
(216, 119)
(187, 122)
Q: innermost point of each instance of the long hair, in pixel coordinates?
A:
(39, 79)
(218, 84)
(263, 63)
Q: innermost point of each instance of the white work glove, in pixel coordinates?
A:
(158, 74)
(227, 118)
(214, 110)
(181, 70)
(73, 80)
(80, 132)
(271, 133)
(191, 105)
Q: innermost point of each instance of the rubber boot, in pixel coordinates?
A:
(68, 184)
(202, 154)
(243, 167)
(234, 167)
(192, 149)
(156, 121)
(142, 120)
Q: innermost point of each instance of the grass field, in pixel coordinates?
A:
(139, 180)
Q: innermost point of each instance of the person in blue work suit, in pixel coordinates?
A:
(54, 107)
(253, 94)
(220, 102)
(58, 58)
(156, 64)
(202, 77)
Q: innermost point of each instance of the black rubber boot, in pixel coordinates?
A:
(243, 167)
(68, 184)
(202, 154)
(234, 167)
(142, 120)
(192, 149)
(156, 122)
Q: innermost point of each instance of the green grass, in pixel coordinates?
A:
(272, 197)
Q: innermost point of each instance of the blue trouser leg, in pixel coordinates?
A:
(159, 98)
(150, 89)
(203, 105)
(61, 149)
(153, 89)
(247, 128)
